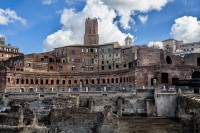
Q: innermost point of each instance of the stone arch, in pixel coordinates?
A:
(112, 80)
(22, 81)
(32, 82)
(93, 81)
(169, 60)
(86, 81)
(27, 81)
(75, 89)
(31, 89)
(196, 75)
(22, 90)
(98, 89)
(17, 81)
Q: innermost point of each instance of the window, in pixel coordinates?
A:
(104, 81)
(75, 81)
(168, 60)
(124, 65)
(27, 81)
(117, 66)
(41, 81)
(36, 81)
(91, 50)
(109, 66)
(31, 81)
(86, 50)
(116, 80)
(52, 82)
(57, 82)
(47, 81)
(96, 50)
(73, 68)
(112, 80)
(17, 82)
(73, 52)
(198, 61)
(174, 80)
(102, 62)
(108, 81)
(82, 50)
(164, 77)
(92, 81)
(63, 82)
(102, 67)
(51, 67)
(69, 82)
(86, 81)
(98, 81)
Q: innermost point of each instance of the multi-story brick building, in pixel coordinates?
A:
(94, 67)
(7, 51)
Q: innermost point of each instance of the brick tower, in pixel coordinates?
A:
(91, 36)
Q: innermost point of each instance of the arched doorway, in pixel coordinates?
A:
(196, 75)
(31, 90)
(75, 89)
(22, 90)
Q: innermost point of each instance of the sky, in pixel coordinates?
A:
(37, 26)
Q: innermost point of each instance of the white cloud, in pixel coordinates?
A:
(73, 26)
(126, 8)
(186, 28)
(9, 16)
(106, 11)
(48, 2)
(155, 44)
(143, 19)
(1, 35)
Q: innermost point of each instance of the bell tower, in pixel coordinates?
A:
(91, 36)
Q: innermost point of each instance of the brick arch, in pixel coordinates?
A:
(196, 75)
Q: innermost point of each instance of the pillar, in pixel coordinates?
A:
(119, 107)
(90, 103)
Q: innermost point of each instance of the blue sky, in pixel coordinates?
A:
(41, 25)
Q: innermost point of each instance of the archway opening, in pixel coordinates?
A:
(196, 75)
(168, 60)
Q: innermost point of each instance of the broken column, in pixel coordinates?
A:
(90, 103)
(119, 107)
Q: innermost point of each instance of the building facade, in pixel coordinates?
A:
(7, 51)
(94, 67)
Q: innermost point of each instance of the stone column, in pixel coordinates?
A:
(104, 89)
(119, 107)
(90, 103)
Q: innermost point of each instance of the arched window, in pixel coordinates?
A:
(52, 82)
(22, 81)
(31, 81)
(112, 80)
(57, 81)
(36, 81)
(168, 60)
(75, 81)
(27, 81)
(69, 81)
(92, 81)
(41, 81)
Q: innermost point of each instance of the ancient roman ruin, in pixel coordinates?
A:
(89, 87)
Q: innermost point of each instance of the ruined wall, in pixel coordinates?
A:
(189, 113)
(166, 104)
